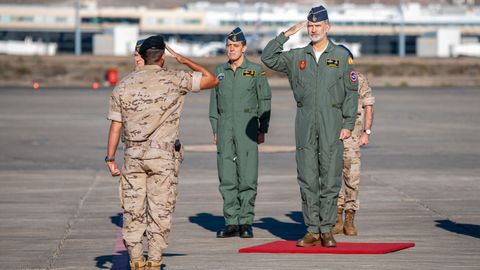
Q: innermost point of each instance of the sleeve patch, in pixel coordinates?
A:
(353, 77)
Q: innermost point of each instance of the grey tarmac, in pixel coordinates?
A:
(421, 183)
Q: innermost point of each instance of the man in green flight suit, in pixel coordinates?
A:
(239, 115)
(325, 89)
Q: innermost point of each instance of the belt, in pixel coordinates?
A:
(167, 146)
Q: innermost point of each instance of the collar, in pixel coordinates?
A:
(244, 64)
(310, 50)
(150, 67)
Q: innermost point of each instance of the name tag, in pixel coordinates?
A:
(333, 62)
(249, 73)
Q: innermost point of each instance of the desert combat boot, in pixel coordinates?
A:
(349, 227)
(338, 228)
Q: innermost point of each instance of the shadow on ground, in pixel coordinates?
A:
(284, 230)
(280, 229)
(117, 220)
(472, 230)
(119, 261)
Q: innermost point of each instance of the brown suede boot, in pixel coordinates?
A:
(338, 228)
(328, 240)
(348, 227)
(310, 239)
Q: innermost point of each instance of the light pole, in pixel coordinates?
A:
(401, 34)
(78, 34)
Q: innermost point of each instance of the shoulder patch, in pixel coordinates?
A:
(353, 77)
(221, 76)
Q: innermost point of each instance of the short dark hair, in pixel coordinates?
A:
(152, 56)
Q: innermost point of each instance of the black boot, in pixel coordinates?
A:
(246, 231)
(228, 231)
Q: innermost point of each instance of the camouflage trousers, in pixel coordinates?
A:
(148, 195)
(348, 196)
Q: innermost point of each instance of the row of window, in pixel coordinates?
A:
(197, 21)
(345, 23)
(35, 19)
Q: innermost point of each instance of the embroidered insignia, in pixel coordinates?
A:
(249, 73)
(221, 76)
(353, 76)
(302, 64)
(333, 62)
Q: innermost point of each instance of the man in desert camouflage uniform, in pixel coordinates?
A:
(348, 197)
(138, 63)
(148, 103)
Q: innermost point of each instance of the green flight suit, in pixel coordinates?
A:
(326, 96)
(239, 110)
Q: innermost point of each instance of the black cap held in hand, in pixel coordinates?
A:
(153, 42)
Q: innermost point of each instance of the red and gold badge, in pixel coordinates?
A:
(302, 64)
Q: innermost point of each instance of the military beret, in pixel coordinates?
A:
(153, 42)
(236, 35)
(138, 44)
(348, 50)
(317, 14)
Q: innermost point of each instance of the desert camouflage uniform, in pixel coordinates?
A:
(348, 197)
(149, 102)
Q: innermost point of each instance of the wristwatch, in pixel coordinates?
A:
(109, 159)
(368, 131)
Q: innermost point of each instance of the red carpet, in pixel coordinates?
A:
(342, 248)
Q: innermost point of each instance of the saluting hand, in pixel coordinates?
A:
(345, 134)
(178, 57)
(260, 138)
(294, 29)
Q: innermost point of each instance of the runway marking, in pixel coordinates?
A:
(70, 223)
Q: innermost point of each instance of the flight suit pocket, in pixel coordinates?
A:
(336, 155)
(336, 91)
(299, 90)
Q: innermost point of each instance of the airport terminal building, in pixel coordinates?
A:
(199, 29)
